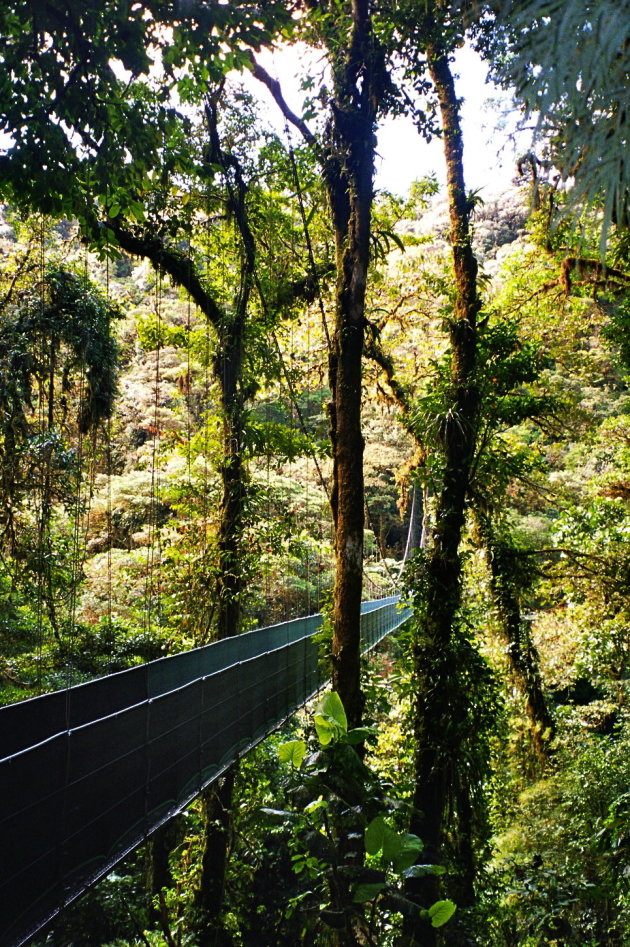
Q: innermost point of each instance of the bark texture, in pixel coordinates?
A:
(159, 851)
(348, 171)
(216, 802)
(440, 712)
(520, 651)
(360, 86)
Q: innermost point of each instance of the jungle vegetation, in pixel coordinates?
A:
(231, 367)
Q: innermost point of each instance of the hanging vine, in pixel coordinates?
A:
(58, 366)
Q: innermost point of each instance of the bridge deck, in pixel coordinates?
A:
(88, 773)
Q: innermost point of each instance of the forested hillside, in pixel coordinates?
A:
(240, 384)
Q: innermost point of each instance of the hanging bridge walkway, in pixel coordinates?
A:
(88, 773)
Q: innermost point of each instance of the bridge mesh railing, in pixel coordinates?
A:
(87, 774)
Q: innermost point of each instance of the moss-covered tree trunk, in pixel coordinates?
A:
(230, 583)
(438, 706)
(506, 569)
(216, 800)
(348, 170)
(360, 85)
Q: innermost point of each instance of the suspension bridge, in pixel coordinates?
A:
(88, 773)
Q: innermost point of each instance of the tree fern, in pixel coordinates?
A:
(569, 63)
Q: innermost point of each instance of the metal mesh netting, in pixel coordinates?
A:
(87, 774)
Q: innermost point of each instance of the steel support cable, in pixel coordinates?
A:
(152, 588)
(39, 493)
(108, 472)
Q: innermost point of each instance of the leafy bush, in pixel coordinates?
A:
(564, 863)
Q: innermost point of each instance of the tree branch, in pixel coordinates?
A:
(178, 266)
(276, 92)
(305, 289)
(373, 351)
(595, 271)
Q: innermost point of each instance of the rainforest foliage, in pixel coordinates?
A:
(239, 384)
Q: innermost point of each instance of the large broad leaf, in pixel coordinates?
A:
(391, 843)
(441, 912)
(292, 752)
(401, 849)
(419, 871)
(367, 892)
(331, 706)
(410, 849)
(326, 729)
(375, 835)
(330, 718)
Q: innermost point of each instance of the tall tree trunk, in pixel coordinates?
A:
(216, 800)
(520, 651)
(216, 806)
(437, 704)
(348, 172)
(230, 584)
(159, 849)
(230, 581)
(360, 83)
(228, 371)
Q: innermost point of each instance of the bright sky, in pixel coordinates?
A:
(403, 154)
(489, 158)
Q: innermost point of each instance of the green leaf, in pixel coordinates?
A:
(319, 803)
(391, 843)
(402, 850)
(393, 236)
(441, 912)
(330, 718)
(375, 835)
(292, 752)
(419, 871)
(367, 892)
(137, 210)
(331, 706)
(325, 729)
